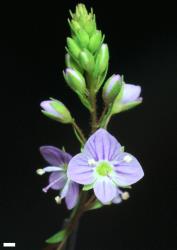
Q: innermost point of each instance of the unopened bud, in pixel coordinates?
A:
(111, 89)
(73, 48)
(95, 41)
(56, 110)
(75, 80)
(75, 26)
(102, 60)
(82, 38)
(71, 63)
(86, 60)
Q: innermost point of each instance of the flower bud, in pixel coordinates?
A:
(56, 110)
(82, 38)
(86, 60)
(84, 19)
(111, 89)
(95, 41)
(75, 80)
(73, 48)
(75, 26)
(102, 60)
(71, 63)
(81, 11)
(128, 99)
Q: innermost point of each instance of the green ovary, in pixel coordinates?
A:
(104, 168)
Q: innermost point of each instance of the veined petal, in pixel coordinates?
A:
(105, 190)
(127, 170)
(54, 156)
(72, 195)
(102, 146)
(79, 170)
(131, 93)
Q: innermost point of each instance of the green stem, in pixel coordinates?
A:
(74, 218)
(92, 99)
(79, 134)
(103, 123)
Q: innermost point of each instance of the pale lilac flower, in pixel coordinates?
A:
(104, 165)
(131, 93)
(58, 179)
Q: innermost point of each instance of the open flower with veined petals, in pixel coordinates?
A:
(58, 179)
(103, 164)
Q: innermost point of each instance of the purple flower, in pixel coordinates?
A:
(103, 165)
(58, 179)
(131, 93)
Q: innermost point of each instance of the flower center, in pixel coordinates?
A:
(104, 168)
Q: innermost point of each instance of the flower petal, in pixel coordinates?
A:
(54, 156)
(128, 170)
(79, 170)
(102, 146)
(61, 177)
(72, 195)
(56, 181)
(131, 93)
(118, 198)
(46, 105)
(105, 190)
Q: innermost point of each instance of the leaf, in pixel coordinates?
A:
(56, 238)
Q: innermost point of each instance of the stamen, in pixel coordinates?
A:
(125, 196)
(50, 185)
(127, 158)
(91, 162)
(58, 199)
(40, 171)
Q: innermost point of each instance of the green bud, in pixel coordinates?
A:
(102, 59)
(95, 41)
(71, 63)
(86, 60)
(75, 26)
(56, 110)
(75, 80)
(84, 19)
(90, 26)
(73, 48)
(82, 38)
(111, 89)
(81, 10)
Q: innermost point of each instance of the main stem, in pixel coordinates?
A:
(92, 99)
(80, 208)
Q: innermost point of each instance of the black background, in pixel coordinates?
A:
(143, 45)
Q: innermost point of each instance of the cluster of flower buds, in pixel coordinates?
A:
(86, 53)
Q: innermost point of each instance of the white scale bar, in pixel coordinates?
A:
(9, 244)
